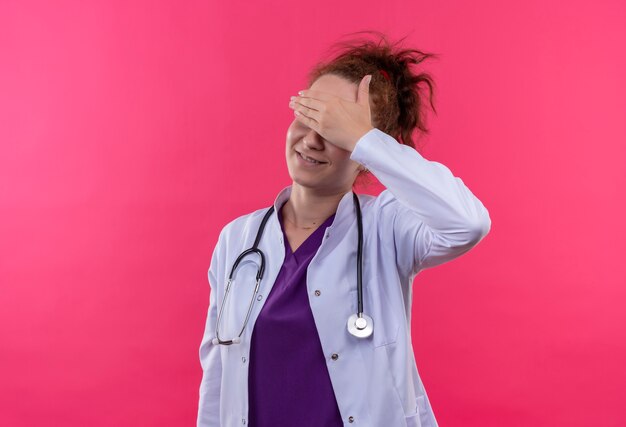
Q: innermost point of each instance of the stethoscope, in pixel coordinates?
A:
(359, 324)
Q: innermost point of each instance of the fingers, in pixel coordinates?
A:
(307, 121)
(310, 103)
(305, 109)
(309, 93)
(364, 89)
(305, 115)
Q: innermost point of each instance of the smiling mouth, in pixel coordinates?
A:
(308, 159)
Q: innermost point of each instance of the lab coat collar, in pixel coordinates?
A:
(344, 216)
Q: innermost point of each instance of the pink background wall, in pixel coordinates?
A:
(131, 132)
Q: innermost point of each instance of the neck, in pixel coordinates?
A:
(308, 207)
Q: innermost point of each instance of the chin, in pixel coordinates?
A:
(307, 180)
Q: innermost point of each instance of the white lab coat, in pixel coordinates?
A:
(425, 217)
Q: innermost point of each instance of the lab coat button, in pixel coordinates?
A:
(317, 293)
(350, 419)
(259, 298)
(243, 359)
(243, 421)
(335, 356)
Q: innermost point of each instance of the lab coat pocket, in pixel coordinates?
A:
(386, 324)
(416, 419)
(413, 420)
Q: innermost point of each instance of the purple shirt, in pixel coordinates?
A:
(288, 381)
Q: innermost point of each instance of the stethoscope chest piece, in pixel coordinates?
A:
(360, 327)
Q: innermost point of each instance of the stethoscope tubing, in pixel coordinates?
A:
(359, 324)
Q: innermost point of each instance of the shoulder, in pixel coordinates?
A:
(382, 204)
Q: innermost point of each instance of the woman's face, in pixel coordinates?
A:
(337, 171)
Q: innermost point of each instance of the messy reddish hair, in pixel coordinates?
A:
(396, 103)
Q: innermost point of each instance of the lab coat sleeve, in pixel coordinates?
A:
(431, 214)
(210, 359)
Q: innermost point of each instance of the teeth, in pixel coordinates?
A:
(308, 159)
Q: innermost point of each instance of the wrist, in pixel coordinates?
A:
(358, 135)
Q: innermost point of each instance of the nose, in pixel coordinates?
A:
(313, 141)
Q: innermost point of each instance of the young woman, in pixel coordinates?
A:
(311, 327)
